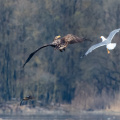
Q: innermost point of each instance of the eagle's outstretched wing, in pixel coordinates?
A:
(31, 55)
(21, 102)
(26, 99)
(71, 39)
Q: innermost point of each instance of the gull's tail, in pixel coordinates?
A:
(111, 46)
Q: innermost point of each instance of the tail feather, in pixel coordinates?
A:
(86, 39)
(111, 46)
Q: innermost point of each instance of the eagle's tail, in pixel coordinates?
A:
(86, 39)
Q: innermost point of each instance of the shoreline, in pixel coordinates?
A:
(63, 109)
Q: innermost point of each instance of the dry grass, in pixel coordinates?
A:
(115, 105)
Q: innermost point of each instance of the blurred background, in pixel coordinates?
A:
(59, 77)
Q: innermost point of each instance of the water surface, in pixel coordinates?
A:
(61, 117)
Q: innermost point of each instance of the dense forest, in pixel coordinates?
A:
(53, 76)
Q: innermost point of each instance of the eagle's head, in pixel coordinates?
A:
(57, 37)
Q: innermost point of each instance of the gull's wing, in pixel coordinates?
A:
(95, 46)
(31, 55)
(112, 34)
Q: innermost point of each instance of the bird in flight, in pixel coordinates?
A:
(26, 99)
(105, 41)
(60, 43)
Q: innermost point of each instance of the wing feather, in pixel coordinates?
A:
(95, 46)
(112, 34)
(21, 102)
(31, 55)
(71, 39)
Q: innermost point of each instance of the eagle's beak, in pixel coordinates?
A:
(100, 37)
(58, 36)
(25, 98)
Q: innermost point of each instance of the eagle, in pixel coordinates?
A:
(26, 99)
(60, 43)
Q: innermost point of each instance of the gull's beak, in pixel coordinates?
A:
(100, 37)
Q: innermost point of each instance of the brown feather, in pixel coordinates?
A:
(60, 44)
(26, 99)
(31, 55)
(71, 39)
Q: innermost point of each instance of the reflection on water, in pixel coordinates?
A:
(60, 117)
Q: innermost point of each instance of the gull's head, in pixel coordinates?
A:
(103, 38)
(57, 37)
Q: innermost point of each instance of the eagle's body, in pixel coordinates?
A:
(26, 99)
(60, 43)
